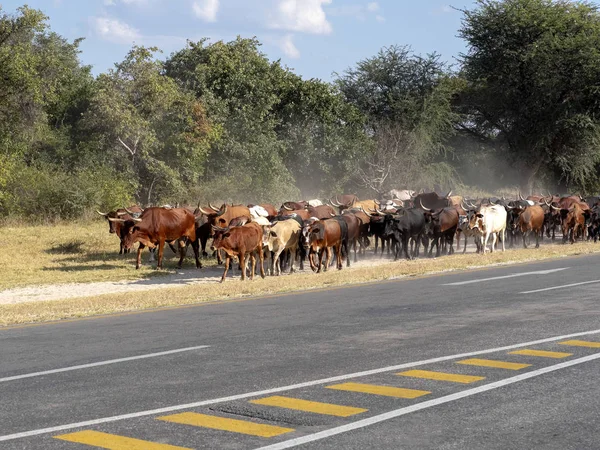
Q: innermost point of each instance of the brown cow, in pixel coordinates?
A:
(301, 213)
(364, 221)
(532, 219)
(344, 201)
(292, 206)
(354, 230)
(573, 222)
(323, 236)
(117, 222)
(321, 212)
(159, 225)
(240, 241)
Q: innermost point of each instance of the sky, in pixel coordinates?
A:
(316, 38)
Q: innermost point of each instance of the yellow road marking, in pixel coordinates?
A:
(225, 424)
(114, 442)
(379, 390)
(577, 343)
(493, 363)
(442, 376)
(308, 406)
(542, 353)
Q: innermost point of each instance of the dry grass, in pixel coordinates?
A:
(112, 303)
(67, 253)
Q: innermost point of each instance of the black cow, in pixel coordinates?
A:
(409, 223)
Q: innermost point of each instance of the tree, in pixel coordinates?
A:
(142, 123)
(532, 71)
(407, 100)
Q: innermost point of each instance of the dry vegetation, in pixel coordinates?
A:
(99, 245)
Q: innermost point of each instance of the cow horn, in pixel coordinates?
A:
(121, 213)
(547, 203)
(521, 196)
(554, 207)
(222, 211)
(203, 211)
(423, 207)
(287, 208)
(212, 207)
(114, 219)
(136, 219)
(216, 228)
(332, 215)
(449, 193)
(337, 201)
(491, 202)
(363, 210)
(129, 212)
(101, 213)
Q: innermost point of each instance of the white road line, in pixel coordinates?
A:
(564, 286)
(424, 405)
(151, 412)
(512, 275)
(100, 363)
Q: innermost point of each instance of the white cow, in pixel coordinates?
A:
(314, 202)
(282, 236)
(397, 194)
(489, 221)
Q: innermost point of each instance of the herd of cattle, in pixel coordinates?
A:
(311, 230)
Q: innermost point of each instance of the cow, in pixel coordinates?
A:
(321, 212)
(117, 222)
(409, 223)
(441, 225)
(222, 216)
(283, 235)
(531, 219)
(432, 200)
(240, 241)
(489, 221)
(353, 224)
(302, 213)
(397, 194)
(158, 225)
(314, 202)
(323, 235)
(363, 232)
(344, 201)
(572, 221)
(463, 229)
(292, 206)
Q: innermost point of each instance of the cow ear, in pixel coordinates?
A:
(273, 233)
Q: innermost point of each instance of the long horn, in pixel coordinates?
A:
(520, 196)
(101, 213)
(216, 228)
(363, 210)
(130, 212)
(421, 205)
(332, 215)
(337, 201)
(554, 207)
(203, 211)
(212, 207)
(287, 208)
(121, 213)
(114, 219)
(222, 211)
(491, 202)
(547, 203)
(136, 219)
(449, 193)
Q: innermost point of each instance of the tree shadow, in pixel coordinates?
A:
(67, 248)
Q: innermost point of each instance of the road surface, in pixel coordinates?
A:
(499, 358)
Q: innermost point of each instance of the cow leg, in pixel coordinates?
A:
(320, 259)
(261, 260)
(252, 265)
(355, 256)
(293, 252)
(182, 252)
(227, 262)
(138, 260)
(161, 251)
(277, 262)
(537, 238)
(172, 247)
(328, 258)
(196, 248)
(338, 255)
(243, 262)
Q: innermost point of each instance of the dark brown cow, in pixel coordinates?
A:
(532, 220)
(432, 200)
(363, 233)
(441, 226)
(117, 222)
(302, 213)
(241, 241)
(159, 225)
(321, 212)
(573, 222)
(323, 236)
(353, 225)
(292, 206)
(344, 201)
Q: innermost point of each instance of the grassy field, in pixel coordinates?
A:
(70, 253)
(123, 269)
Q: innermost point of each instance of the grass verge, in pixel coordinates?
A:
(114, 303)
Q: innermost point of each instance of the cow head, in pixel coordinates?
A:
(219, 235)
(135, 234)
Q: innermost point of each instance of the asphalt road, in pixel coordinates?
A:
(191, 375)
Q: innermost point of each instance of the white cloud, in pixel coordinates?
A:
(287, 46)
(306, 16)
(206, 9)
(113, 30)
(373, 7)
(379, 18)
(126, 2)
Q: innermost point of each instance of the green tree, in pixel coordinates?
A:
(532, 70)
(142, 123)
(407, 100)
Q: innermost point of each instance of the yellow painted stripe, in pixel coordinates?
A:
(493, 363)
(442, 376)
(225, 424)
(542, 353)
(577, 343)
(379, 390)
(308, 406)
(114, 442)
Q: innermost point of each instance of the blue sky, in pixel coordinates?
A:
(314, 37)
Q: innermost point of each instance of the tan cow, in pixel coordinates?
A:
(279, 237)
